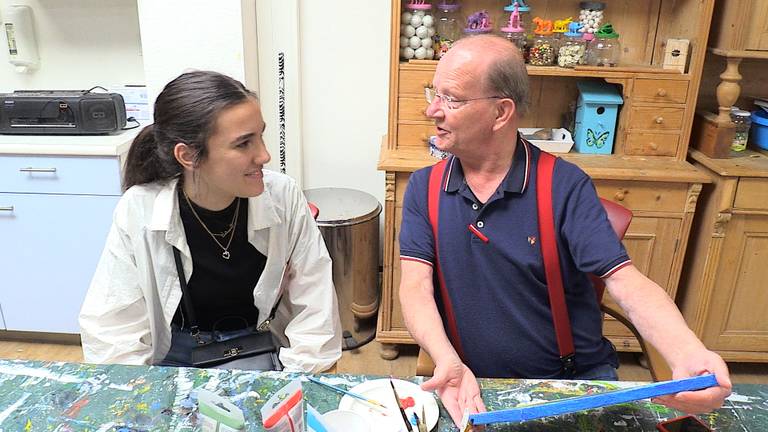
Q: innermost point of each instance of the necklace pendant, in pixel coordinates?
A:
(225, 255)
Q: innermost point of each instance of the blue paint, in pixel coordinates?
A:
(582, 403)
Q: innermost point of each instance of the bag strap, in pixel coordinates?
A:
(551, 257)
(187, 299)
(433, 205)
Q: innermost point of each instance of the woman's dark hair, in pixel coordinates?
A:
(185, 112)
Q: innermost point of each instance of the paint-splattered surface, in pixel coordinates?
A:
(60, 397)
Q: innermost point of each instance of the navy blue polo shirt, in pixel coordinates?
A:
(498, 288)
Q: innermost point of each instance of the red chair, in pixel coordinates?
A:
(620, 218)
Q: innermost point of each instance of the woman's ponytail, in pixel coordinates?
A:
(145, 163)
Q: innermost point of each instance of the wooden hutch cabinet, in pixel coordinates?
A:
(647, 171)
(723, 287)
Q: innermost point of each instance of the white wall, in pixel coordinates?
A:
(345, 85)
(82, 43)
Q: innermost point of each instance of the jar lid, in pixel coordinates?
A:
(522, 7)
(606, 32)
(418, 5)
(543, 27)
(573, 30)
(741, 113)
(561, 26)
(514, 23)
(449, 7)
(592, 5)
(478, 22)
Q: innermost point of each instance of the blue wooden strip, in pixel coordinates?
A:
(582, 403)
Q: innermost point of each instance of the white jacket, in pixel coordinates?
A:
(127, 313)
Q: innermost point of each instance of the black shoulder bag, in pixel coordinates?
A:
(254, 351)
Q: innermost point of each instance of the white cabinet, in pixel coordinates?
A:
(55, 213)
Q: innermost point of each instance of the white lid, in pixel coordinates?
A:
(741, 113)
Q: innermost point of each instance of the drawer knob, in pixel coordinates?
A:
(37, 170)
(659, 120)
(661, 93)
(620, 195)
(424, 138)
(427, 85)
(6, 209)
(653, 146)
(425, 113)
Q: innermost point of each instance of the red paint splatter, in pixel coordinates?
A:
(74, 410)
(407, 402)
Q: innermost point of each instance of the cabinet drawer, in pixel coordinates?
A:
(409, 108)
(648, 196)
(664, 91)
(414, 135)
(60, 175)
(752, 193)
(413, 82)
(656, 118)
(651, 144)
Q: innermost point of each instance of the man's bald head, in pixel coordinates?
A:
(500, 65)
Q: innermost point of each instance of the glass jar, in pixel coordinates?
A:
(741, 122)
(542, 51)
(515, 33)
(591, 16)
(573, 49)
(524, 11)
(478, 23)
(417, 28)
(447, 28)
(558, 31)
(605, 49)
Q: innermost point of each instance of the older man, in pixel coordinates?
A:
(493, 277)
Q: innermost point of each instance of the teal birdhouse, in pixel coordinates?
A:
(596, 114)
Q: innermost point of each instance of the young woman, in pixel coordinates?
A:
(194, 181)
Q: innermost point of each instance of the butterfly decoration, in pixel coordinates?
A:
(597, 141)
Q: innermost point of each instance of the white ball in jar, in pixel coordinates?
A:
(426, 43)
(421, 53)
(414, 42)
(422, 32)
(428, 21)
(403, 41)
(430, 53)
(409, 31)
(431, 32)
(405, 17)
(420, 13)
(408, 53)
(416, 20)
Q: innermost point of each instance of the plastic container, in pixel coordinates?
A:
(591, 16)
(559, 30)
(573, 50)
(525, 14)
(479, 23)
(417, 28)
(515, 33)
(447, 27)
(605, 50)
(760, 129)
(741, 122)
(542, 51)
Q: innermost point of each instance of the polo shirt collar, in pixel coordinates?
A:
(516, 180)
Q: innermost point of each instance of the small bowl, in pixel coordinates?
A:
(347, 421)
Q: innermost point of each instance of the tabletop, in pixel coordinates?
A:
(74, 397)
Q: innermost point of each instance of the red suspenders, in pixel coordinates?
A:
(549, 252)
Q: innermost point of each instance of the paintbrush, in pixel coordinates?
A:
(400, 407)
(347, 392)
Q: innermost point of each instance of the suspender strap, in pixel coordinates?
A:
(433, 205)
(189, 309)
(551, 257)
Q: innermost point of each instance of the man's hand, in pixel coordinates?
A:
(458, 389)
(702, 401)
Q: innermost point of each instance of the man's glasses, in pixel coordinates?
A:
(448, 101)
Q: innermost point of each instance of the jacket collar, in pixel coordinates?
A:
(262, 214)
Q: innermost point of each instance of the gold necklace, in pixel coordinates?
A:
(233, 224)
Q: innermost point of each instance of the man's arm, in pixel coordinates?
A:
(659, 322)
(454, 382)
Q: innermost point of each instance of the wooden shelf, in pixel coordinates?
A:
(749, 163)
(761, 55)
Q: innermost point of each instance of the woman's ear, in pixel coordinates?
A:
(184, 155)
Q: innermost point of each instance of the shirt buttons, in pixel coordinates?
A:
(475, 206)
(480, 224)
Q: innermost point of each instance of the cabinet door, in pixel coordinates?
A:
(738, 305)
(651, 243)
(757, 31)
(49, 248)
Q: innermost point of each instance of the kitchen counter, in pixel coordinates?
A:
(69, 145)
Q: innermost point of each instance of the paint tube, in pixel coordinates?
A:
(284, 411)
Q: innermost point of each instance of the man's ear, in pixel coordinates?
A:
(184, 155)
(505, 112)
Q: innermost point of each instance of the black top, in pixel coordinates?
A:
(221, 289)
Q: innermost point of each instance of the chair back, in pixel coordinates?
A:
(620, 217)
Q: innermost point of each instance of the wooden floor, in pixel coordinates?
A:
(366, 360)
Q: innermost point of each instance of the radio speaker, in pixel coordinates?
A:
(98, 115)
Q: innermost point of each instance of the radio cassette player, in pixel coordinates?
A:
(61, 112)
